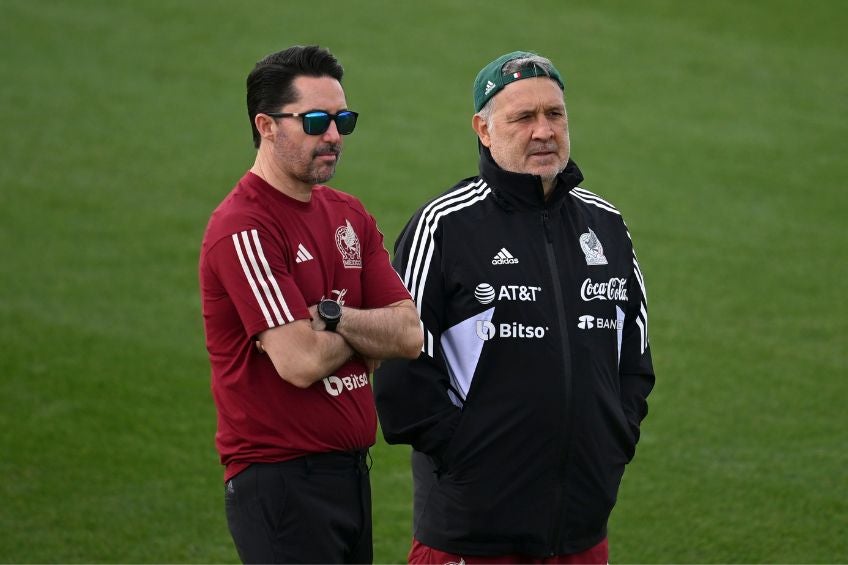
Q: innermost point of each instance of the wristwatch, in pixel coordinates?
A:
(331, 312)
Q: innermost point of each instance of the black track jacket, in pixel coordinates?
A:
(525, 405)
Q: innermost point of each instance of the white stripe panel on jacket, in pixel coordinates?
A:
(416, 268)
(641, 335)
(591, 198)
(462, 349)
(642, 319)
(430, 245)
(421, 251)
(619, 331)
(594, 203)
(423, 229)
(638, 272)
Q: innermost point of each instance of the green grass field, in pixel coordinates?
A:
(718, 128)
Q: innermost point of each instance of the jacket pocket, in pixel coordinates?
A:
(452, 454)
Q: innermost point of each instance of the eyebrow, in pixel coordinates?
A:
(528, 110)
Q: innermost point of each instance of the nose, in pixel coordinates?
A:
(332, 134)
(543, 129)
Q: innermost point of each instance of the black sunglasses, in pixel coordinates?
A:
(316, 122)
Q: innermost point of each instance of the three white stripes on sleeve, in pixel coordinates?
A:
(261, 279)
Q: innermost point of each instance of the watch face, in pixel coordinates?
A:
(330, 309)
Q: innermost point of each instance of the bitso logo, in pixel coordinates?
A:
(336, 385)
(333, 385)
(586, 322)
(486, 330)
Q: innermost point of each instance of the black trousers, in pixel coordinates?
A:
(313, 509)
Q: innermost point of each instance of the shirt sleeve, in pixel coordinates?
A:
(252, 269)
(636, 370)
(381, 285)
(414, 398)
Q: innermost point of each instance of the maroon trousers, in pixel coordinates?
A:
(421, 554)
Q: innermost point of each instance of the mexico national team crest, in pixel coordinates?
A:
(592, 248)
(348, 244)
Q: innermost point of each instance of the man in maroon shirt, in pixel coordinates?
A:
(300, 302)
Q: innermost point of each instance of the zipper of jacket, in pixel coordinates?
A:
(559, 509)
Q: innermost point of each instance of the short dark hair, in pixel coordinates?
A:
(269, 84)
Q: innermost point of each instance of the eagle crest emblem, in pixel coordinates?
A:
(592, 248)
(348, 244)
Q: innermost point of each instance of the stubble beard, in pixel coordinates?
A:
(319, 173)
(306, 168)
(549, 172)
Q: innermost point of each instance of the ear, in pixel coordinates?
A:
(482, 129)
(265, 125)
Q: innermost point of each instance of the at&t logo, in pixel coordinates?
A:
(486, 294)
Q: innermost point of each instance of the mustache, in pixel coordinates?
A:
(327, 149)
(549, 147)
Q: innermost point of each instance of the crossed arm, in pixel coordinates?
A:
(303, 353)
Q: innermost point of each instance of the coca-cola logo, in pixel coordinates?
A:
(614, 289)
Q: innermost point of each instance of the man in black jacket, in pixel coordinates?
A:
(525, 404)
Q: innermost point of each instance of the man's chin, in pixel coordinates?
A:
(318, 176)
(547, 173)
(547, 166)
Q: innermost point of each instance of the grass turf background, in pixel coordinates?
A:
(717, 128)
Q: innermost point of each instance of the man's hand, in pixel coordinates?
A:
(317, 323)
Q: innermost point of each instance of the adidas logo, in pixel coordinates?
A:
(489, 86)
(504, 257)
(302, 254)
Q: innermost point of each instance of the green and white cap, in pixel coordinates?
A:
(491, 79)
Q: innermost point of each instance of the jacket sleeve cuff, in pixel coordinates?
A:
(435, 441)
